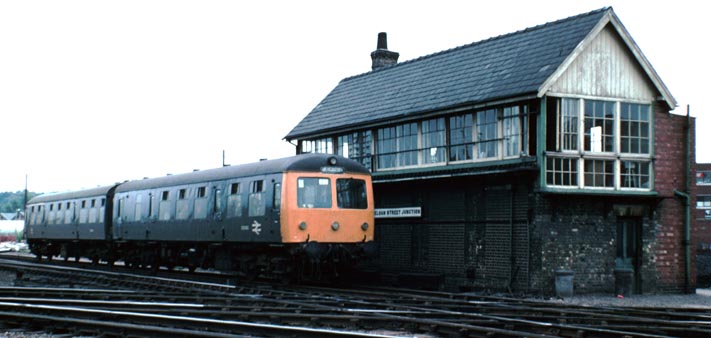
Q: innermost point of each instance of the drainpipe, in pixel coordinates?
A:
(686, 195)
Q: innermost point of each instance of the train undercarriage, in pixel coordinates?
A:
(311, 261)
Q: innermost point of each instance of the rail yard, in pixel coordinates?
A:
(66, 299)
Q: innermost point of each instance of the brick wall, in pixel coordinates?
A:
(579, 233)
(670, 136)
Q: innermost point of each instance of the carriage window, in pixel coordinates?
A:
(164, 207)
(150, 204)
(351, 193)
(256, 199)
(217, 203)
(181, 194)
(59, 206)
(234, 201)
(200, 205)
(138, 209)
(313, 192)
(83, 204)
(256, 186)
(277, 196)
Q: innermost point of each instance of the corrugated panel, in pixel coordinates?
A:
(606, 68)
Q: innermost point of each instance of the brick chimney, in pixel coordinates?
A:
(382, 56)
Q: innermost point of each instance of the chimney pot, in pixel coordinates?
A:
(382, 40)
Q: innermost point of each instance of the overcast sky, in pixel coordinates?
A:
(96, 92)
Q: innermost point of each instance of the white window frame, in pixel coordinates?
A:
(580, 155)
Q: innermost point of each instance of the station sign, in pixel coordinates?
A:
(398, 212)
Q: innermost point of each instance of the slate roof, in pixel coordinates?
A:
(510, 65)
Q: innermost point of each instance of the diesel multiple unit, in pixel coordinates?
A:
(295, 215)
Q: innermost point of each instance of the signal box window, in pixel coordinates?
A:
(313, 192)
(351, 194)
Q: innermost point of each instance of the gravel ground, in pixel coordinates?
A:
(701, 299)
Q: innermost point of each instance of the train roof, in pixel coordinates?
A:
(304, 162)
(71, 195)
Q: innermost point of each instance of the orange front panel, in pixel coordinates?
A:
(319, 221)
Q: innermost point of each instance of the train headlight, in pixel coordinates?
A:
(335, 226)
(302, 226)
(332, 160)
(364, 226)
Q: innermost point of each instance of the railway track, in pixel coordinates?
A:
(114, 303)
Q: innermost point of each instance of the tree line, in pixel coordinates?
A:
(12, 201)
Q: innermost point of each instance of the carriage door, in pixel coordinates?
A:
(629, 250)
(276, 204)
(218, 209)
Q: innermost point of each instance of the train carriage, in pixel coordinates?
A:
(274, 217)
(68, 223)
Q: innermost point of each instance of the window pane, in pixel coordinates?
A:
(351, 194)
(460, 137)
(397, 146)
(569, 119)
(256, 201)
(276, 203)
(200, 204)
(321, 146)
(512, 131)
(138, 209)
(562, 171)
(703, 177)
(433, 143)
(386, 148)
(599, 126)
(634, 128)
(703, 201)
(356, 146)
(635, 174)
(486, 126)
(234, 205)
(313, 192)
(599, 173)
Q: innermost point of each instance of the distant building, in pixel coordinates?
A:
(702, 212)
(12, 216)
(508, 162)
(702, 216)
